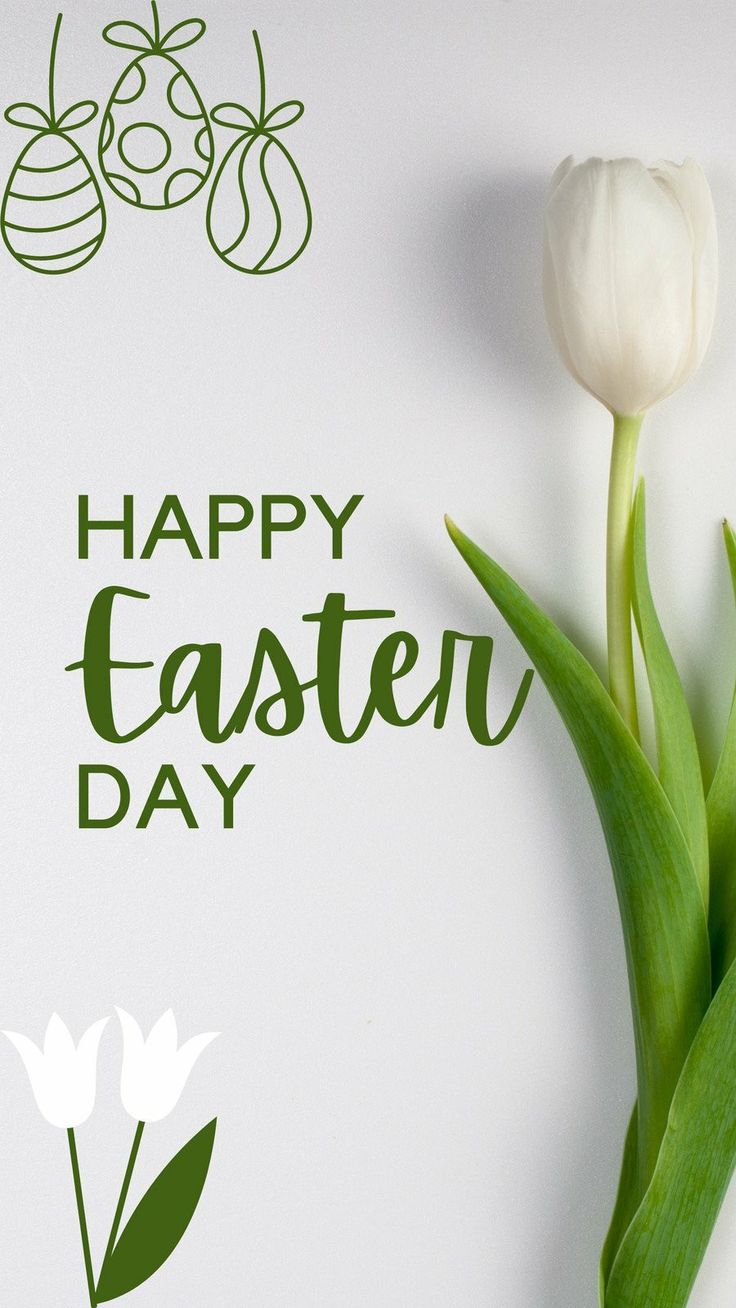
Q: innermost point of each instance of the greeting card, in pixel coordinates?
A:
(368, 798)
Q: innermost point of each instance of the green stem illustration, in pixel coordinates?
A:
(261, 79)
(124, 1192)
(52, 70)
(618, 568)
(82, 1218)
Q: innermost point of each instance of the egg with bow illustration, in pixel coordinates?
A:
(53, 215)
(156, 148)
(259, 218)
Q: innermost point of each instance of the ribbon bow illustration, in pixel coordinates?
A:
(246, 123)
(132, 36)
(35, 119)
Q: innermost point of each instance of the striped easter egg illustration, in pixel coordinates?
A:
(259, 218)
(156, 148)
(53, 215)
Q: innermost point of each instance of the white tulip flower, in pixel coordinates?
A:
(156, 1070)
(63, 1076)
(630, 284)
(630, 276)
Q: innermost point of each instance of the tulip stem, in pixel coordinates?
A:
(621, 683)
(82, 1218)
(124, 1192)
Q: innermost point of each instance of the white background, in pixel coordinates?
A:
(411, 944)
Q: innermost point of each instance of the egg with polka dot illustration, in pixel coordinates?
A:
(156, 148)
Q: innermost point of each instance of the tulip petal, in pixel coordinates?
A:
(132, 1034)
(86, 1072)
(133, 1056)
(155, 1070)
(58, 1044)
(90, 1043)
(63, 1078)
(626, 248)
(50, 1099)
(560, 173)
(163, 1039)
(688, 185)
(191, 1050)
(29, 1052)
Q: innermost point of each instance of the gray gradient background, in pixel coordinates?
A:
(411, 945)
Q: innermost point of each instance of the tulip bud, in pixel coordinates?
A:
(630, 276)
(156, 1069)
(63, 1075)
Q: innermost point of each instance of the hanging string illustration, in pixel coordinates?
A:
(256, 183)
(156, 148)
(53, 214)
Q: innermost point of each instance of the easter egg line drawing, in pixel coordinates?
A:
(259, 217)
(156, 148)
(53, 216)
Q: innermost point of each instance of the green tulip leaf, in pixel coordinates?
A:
(160, 1220)
(662, 1250)
(661, 906)
(627, 1197)
(722, 829)
(677, 750)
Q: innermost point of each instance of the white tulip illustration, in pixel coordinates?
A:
(63, 1075)
(63, 1079)
(155, 1070)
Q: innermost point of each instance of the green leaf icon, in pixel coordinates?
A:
(160, 1220)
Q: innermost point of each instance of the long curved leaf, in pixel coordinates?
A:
(722, 829)
(627, 1198)
(677, 750)
(160, 1220)
(662, 1250)
(661, 907)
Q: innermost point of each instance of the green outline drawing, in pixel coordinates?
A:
(25, 186)
(153, 45)
(251, 130)
(141, 168)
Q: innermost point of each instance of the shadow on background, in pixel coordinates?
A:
(484, 276)
(491, 237)
(483, 273)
